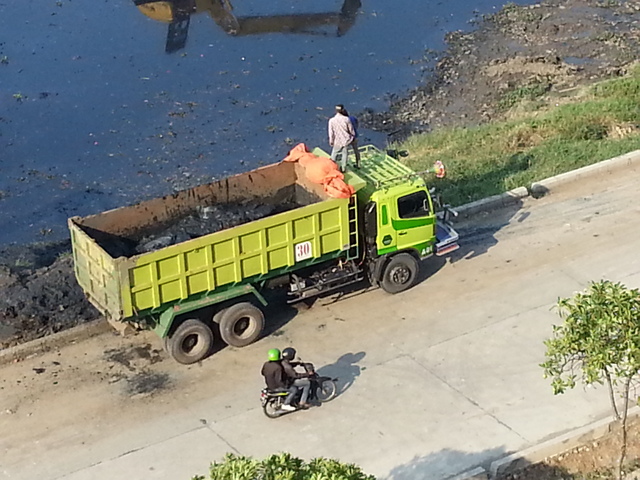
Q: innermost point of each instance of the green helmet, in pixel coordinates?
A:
(274, 355)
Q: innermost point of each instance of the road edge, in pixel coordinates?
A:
(549, 448)
(557, 445)
(543, 187)
(55, 340)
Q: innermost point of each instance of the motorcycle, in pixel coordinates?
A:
(323, 389)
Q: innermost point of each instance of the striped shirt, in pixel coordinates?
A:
(341, 132)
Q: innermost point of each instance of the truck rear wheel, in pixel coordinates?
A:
(240, 324)
(400, 273)
(190, 342)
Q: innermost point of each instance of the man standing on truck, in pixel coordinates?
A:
(354, 143)
(341, 135)
(276, 378)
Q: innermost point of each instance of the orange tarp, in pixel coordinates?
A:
(321, 170)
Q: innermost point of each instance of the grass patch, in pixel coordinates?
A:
(594, 124)
(65, 254)
(528, 92)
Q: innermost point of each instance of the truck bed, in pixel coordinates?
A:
(302, 226)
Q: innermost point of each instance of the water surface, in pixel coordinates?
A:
(108, 102)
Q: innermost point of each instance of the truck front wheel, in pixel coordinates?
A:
(190, 342)
(240, 324)
(400, 273)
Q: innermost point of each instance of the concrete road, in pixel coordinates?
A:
(434, 381)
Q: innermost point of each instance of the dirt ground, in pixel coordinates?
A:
(592, 460)
(39, 294)
(555, 45)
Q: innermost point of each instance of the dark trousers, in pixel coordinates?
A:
(356, 152)
(298, 383)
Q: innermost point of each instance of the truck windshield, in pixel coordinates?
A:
(413, 205)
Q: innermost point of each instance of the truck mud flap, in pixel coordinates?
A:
(446, 239)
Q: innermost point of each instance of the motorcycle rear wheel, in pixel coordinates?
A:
(272, 408)
(326, 391)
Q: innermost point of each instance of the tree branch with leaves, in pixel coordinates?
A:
(598, 343)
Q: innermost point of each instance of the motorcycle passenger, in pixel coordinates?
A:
(296, 379)
(276, 378)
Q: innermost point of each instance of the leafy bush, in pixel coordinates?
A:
(282, 466)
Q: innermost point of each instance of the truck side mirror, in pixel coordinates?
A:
(437, 199)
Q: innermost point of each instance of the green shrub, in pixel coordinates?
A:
(282, 466)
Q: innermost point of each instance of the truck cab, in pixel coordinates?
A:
(401, 225)
(405, 219)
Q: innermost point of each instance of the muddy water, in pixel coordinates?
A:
(102, 105)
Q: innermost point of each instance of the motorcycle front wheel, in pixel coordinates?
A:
(272, 408)
(326, 391)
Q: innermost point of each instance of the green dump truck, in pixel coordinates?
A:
(188, 290)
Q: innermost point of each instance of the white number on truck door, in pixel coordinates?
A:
(303, 251)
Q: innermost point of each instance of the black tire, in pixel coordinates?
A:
(272, 408)
(326, 391)
(190, 342)
(400, 273)
(240, 324)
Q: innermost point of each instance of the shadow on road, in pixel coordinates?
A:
(345, 369)
(477, 237)
(439, 464)
(278, 312)
(477, 232)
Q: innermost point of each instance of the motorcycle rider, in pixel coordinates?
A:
(296, 379)
(276, 378)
